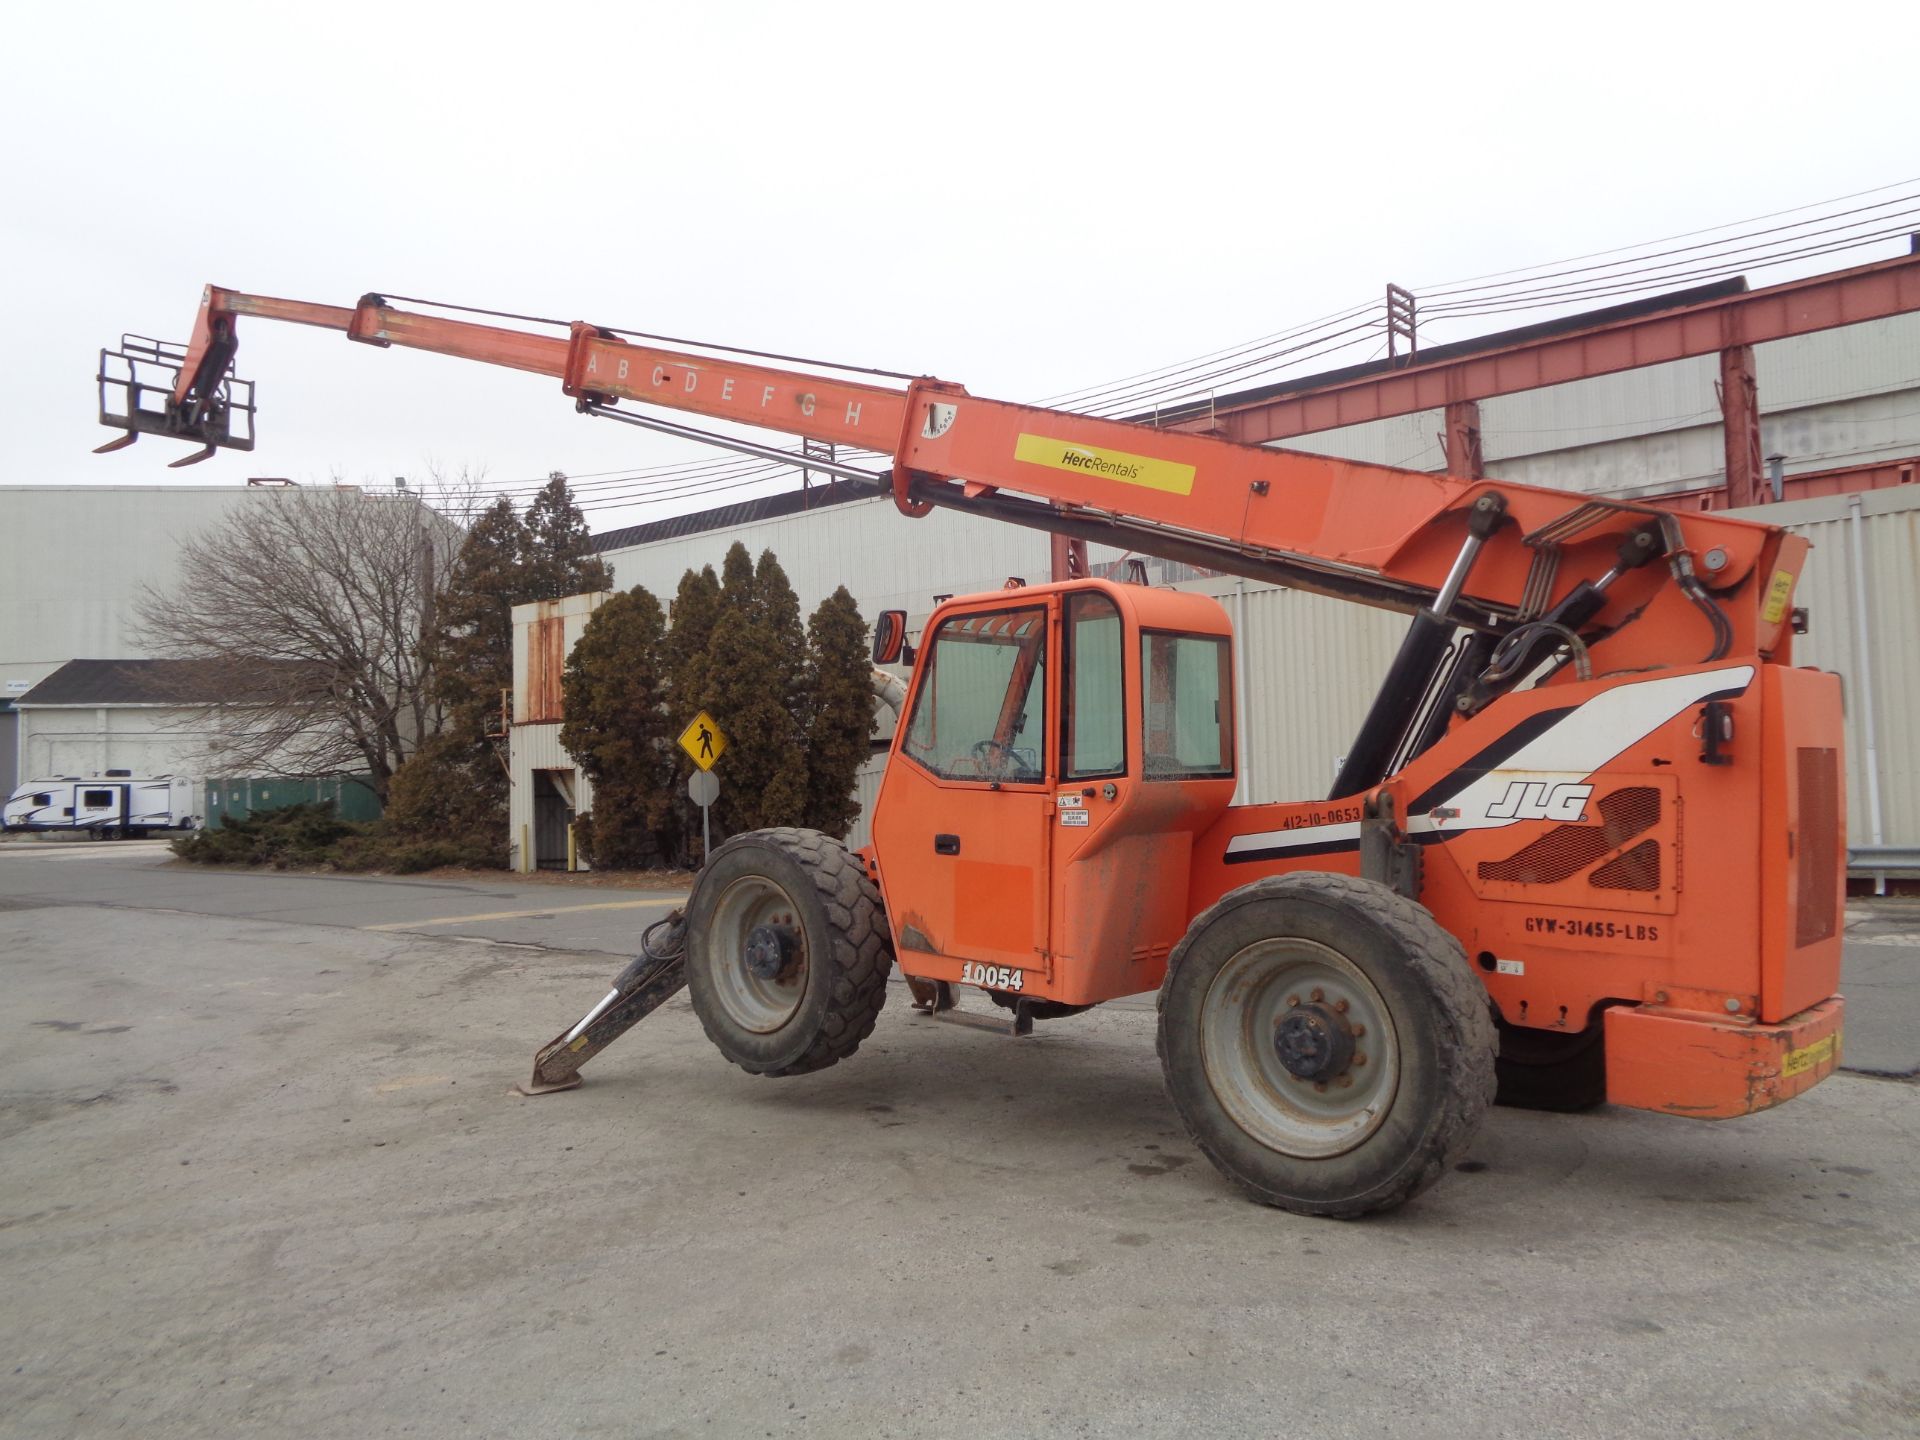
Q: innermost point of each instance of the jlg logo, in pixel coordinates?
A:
(1539, 800)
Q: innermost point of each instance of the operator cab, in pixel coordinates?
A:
(1061, 747)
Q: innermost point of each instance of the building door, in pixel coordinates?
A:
(552, 814)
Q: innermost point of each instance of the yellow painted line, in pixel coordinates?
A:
(529, 914)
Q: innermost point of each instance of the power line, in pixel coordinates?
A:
(1668, 239)
(1738, 241)
(1547, 285)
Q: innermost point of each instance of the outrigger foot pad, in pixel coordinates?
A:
(656, 974)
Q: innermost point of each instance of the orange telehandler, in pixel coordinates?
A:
(1586, 845)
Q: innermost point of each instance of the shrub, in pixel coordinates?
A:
(313, 837)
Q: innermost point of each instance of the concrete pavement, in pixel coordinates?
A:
(265, 1176)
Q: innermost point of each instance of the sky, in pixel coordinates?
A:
(1027, 199)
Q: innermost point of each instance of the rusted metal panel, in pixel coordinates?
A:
(546, 663)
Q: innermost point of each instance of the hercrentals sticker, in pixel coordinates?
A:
(1128, 469)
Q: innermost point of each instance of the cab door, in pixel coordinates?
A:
(961, 827)
(1145, 764)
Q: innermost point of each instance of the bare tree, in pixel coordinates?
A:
(304, 611)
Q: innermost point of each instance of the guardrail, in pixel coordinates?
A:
(1883, 857)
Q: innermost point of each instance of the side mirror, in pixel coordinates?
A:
(889, 637)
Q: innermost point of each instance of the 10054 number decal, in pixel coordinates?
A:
(994, 977)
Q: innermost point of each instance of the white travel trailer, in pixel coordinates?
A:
(112, 804)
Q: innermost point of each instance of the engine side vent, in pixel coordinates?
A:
(1566, 850)
(1819, 845)
(1635, 869)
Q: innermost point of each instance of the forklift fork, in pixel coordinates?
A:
(137, 384)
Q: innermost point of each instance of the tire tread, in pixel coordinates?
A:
(1467, 1047)
(862, 945)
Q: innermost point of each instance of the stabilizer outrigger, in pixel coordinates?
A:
(657, 973)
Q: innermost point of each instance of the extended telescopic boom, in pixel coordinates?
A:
(1369, 533)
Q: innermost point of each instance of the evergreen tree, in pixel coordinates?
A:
(559, 557)
(776, 611)
(618, 729)
(471, 643)
(736, 578)
(455, 784)
(696, 608)
(839, 717)
(756, 678)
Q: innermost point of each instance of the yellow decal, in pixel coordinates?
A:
(1817, 1053)
(1175, 479)
(1778, 593)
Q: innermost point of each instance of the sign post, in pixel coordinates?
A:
(705, 742)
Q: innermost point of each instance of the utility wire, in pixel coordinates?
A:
(1550, 284)
(1669, 239)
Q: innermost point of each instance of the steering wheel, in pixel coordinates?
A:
(992, 757)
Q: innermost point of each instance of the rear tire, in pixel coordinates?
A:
(1550, 1070)
(1325, 1043)
(787, 951)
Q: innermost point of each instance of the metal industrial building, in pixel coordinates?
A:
(78, 559)
(1799, 405)
(79, 692)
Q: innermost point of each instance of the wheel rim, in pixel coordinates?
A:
(1275, 999)
(754, 1002)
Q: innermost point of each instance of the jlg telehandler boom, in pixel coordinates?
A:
(1625, 879)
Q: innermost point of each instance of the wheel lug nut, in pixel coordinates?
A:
(1293, 999)
(1344, 1081)
(1340, 1005)
(1358, 1031)
(1320, 1086)
(1361, 1058)
(1317, 995)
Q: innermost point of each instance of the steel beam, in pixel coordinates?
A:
(1740, 423)
(1463, 440)
(1799, 307)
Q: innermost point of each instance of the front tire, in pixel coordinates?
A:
(787, 951)
(1325, 1043)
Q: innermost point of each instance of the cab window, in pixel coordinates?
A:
(1186, 698)
(980, 713)
(1093, 731)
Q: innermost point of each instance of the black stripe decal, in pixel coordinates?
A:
(1330, 847)
(1490, 757)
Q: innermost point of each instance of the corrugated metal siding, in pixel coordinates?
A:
(885, 560)
(866, 790)
(1308, 667)
(1890, 535)
(531, 748)
(1831, 398)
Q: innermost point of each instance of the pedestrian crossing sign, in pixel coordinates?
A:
(703, 740)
